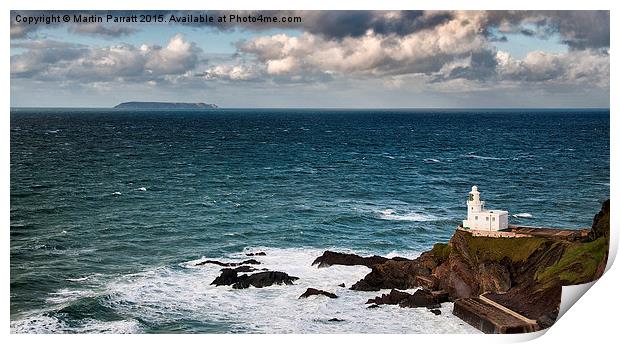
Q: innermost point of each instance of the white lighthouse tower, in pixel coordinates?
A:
(479, 218)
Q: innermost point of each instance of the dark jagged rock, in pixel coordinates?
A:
(329, 258)
(264, 279)
(261, 279)
(393, 298)
(400, 273)
(251, 254)
(335, 319)
(249, 261)
(421, 298)
(373, 306)
(227, 277)
(242, 268)
(341, 285)
(436, 311)
(312, 291)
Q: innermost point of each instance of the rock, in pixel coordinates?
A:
(373, 306)
(329, 258)
(264, 279)
(398, 273)
(436, 311)
(251, 254)
(335, 319)
(261, 279)
(249, 261)
(421, 298)
(312, 291)
(393, 298)
(341, 285)
(227, 277)
(600, 224)
(243, 268)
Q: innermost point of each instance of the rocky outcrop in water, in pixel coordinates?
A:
(421, 298)
(251, 254)
(216, 262)
(313, 291)
(334, 258)
(258, 280)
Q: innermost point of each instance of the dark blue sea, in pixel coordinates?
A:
(110, 210)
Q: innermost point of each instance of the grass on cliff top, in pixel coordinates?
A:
(441, 251)
(578, 264)
(494, 249)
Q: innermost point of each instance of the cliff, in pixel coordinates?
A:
(164, 106)
(520, 276)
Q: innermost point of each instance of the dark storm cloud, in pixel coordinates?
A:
(578, 29)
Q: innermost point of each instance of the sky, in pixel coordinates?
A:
(328, 59)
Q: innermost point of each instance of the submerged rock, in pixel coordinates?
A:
(335, 319)
(341, 285)
(216, 262)
(312, 291)
(436, 311)
(251, 254)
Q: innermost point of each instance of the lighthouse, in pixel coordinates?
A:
(478, 218)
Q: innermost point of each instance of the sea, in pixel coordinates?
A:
(111, 210)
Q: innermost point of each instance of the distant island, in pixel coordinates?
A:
(164, 106)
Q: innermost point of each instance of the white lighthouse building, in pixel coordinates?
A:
(479, 218)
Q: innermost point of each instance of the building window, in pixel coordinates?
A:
(487, 218)
(493, 219)
(476, 217)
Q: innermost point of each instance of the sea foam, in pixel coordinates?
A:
(182, 292)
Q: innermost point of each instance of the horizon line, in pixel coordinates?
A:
(327, 108)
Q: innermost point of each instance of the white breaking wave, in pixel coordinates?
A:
(183, 293)
(142, 189)
(482, 157)
(523, 215)
(431, 160)
(390, 214)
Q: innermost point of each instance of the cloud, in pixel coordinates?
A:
(454, 48)
(586, 67)
(578, 29)
(99, 29)
(73, 63)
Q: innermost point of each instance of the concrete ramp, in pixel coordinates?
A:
(490, 317)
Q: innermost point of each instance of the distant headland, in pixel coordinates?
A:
(164, 106)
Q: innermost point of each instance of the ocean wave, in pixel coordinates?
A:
(522, 215)
(482, 157)
(166, 295)
(391, 215)
(429, 160)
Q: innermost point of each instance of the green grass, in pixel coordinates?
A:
(578, 264)
(441, 251)
(495, 249)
